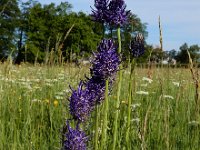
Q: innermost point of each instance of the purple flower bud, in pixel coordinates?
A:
(100, 14)
(106, 61)
(118, 15)
(75, 139)
(79, 103)
(137, 45)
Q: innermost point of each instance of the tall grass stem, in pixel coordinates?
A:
(132, 66)
(96, 128)
(118, 94)
(105, 118)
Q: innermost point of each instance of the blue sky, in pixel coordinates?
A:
(180, 19)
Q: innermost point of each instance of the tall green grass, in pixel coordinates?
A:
(34, 108)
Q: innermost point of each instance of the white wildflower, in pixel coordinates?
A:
(134, 106)
(36, 87)
(58, 97)
(49, 84)
(176, 84)
(168, 96)
(48, 80)
(35, 80)
(136, 120)
(144, 85)
(61, 75)
(61, 78)
(147, 79)
(1, 90)
(22, 79)
(193, 122)
(55, 80)
(99, 130)
(28, 87)
(126, 72)
(13, 81)
(60, 93)
(66, 91)
(36, 100)
(142, 93)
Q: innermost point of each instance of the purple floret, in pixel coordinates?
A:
(106, 61)
(137, 45)
(75, 139)
(96, 88)
(79, 103)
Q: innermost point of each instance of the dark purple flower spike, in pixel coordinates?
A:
(137, 45)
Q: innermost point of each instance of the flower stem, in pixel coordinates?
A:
(96, 128)
(105, 118)
(118, 94)
(119, 40)
(132, 65)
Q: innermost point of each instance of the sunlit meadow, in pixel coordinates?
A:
(34, 108)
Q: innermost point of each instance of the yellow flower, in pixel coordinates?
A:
(124, 102)
(55, 103)
(47, 101)
(115, 97)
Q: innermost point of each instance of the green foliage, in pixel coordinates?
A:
(84, 36)
(47, 30)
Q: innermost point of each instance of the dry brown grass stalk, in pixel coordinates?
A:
(195, 77)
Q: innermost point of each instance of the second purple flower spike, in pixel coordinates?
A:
(137, 45)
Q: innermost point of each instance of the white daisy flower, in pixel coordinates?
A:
(142, 93)
(147, 79)
(176, 84)
(168, 96)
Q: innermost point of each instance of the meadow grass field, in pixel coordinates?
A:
(34, 108)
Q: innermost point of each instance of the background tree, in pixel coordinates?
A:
(172, 54)
(22, 29)
(47, 32)
(182, 56)
(9, 11)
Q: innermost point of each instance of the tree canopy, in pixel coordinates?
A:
(43, 33)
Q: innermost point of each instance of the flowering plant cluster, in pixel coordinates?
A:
(90, 92)
(104, 66)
